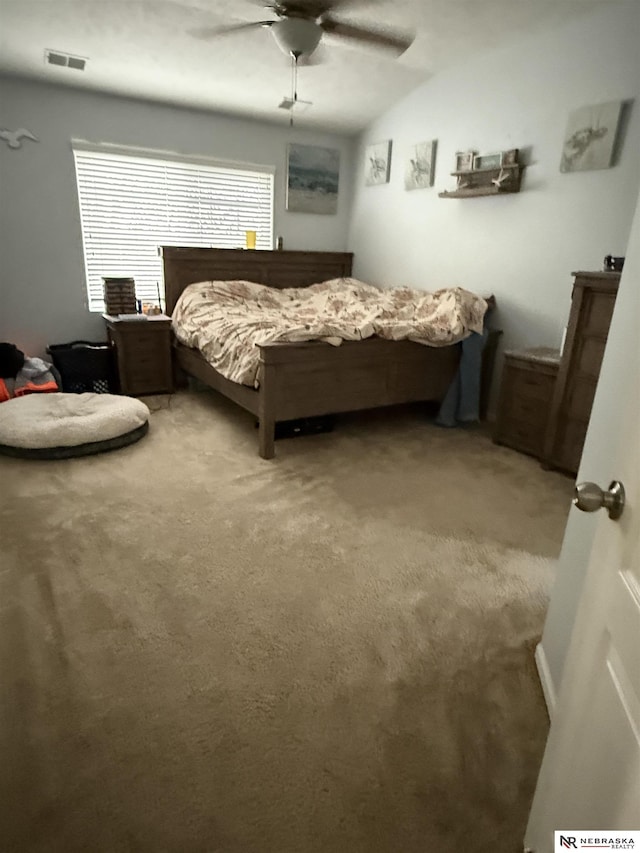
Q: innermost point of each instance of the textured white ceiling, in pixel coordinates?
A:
(146, 48)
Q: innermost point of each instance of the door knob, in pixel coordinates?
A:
(589, 497)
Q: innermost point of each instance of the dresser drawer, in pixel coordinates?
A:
(528, 410)
(578, 400)
(149, 384)
(522, 435)
(570, 440)
(596, 313)
(530, 384)
(144, 359)
(145, 345)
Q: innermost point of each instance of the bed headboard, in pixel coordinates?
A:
(183, 266)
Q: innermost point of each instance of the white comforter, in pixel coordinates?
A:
(228, 320)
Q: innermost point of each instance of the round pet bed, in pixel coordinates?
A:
(58, 426)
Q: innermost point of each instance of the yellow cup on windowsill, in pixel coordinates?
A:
(250, 239)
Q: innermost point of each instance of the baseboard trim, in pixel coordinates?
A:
(545, 680)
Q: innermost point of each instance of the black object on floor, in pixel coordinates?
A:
(304, 426)
(11, 361)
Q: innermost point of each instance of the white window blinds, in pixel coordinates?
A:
(131, 205)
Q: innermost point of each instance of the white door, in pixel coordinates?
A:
(590, 774)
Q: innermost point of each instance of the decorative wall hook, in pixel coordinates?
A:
(14, 138)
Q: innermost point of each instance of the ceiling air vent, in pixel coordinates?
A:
(64, 60)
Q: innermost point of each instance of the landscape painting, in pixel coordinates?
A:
(590, 137)
(377, 166)
(420, 165)
(312, 179)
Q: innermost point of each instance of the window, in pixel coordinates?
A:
(130, 205)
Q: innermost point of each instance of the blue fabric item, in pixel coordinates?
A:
(461, 404)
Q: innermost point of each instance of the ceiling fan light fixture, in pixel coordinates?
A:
(296, 36)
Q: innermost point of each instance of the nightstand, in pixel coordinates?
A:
(528, 381)
(143, 351)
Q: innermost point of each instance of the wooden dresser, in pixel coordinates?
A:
(526, 391)
(593, 300)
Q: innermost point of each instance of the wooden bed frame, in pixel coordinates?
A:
(300, 380)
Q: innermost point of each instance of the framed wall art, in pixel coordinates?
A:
(377, 163)
(420, 166)
(590, 137)
(313, 175)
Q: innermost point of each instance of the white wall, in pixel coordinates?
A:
(42, 280)
(521, 247)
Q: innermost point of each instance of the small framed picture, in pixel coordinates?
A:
(464, 161)
(487, 161)
(510, 157)
(378, 163)
(590, 137)
(313, 174)
(420, 165)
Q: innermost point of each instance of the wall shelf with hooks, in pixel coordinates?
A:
(494, 180)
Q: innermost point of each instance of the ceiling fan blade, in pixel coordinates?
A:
(300, 8)
(213, 32)
(397, 42)
(312, 8)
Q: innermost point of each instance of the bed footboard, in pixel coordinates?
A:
(312, 378)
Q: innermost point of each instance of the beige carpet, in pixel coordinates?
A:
(331, 652)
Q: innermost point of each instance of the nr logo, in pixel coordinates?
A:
(568, 841)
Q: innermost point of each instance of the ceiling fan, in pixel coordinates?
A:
(300, 24)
